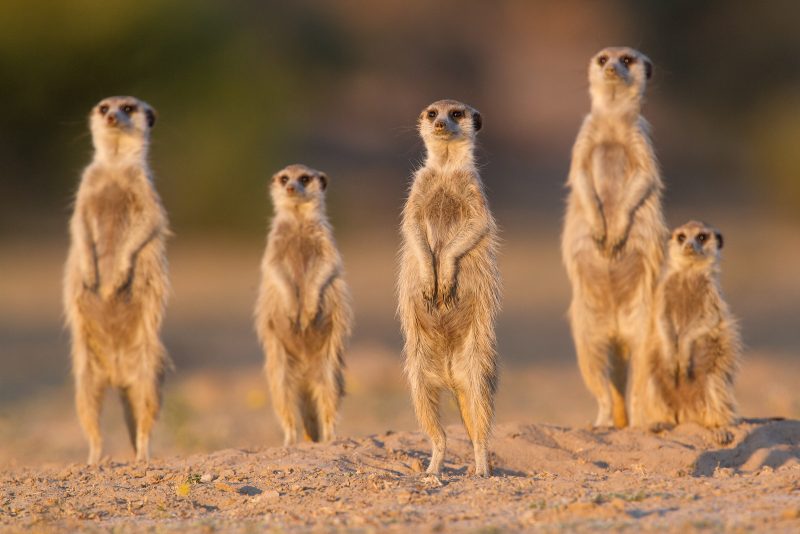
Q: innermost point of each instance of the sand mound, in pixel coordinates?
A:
(544, 476)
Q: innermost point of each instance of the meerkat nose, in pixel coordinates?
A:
(439, 125)
(111, 119)
(290, 188)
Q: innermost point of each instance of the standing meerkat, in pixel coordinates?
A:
(115, 283)
(688, 370)
(449, 285)
(303, 315)
(614, 231)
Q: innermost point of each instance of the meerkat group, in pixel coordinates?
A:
(655, 342)
(654, 339)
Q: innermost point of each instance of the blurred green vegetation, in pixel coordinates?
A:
(241, 87)
(228, 79)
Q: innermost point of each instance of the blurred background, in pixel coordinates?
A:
(244, 88)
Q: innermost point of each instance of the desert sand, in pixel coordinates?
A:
(545, 477)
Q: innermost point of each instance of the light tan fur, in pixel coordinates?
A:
(115, 282)
(303, 316)
(614, 233)
(687, 372)
(448, 284)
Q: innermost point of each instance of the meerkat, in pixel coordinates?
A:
(614, 232)
(303, 315)
(449, 284)
(693, 350)
(115, 282)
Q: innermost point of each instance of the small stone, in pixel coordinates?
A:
(208, 477)
(225, 487)
(790, 513)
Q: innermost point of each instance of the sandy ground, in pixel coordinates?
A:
(218, 464)
(545, 477)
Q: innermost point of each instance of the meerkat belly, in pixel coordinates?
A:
(446, 212)
(114, 209)
(610, 169)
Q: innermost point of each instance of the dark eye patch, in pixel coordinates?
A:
(283, 179)
(456, 114)
(103, 109)
(702, 237)
(432, 113)
(304, 179)
(680, 237)
(628, 60)
(129, 108)
(602, 60)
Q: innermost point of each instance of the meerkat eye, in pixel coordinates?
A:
(456, 114)
(128, 108)
(681, 237)
(628, 60)
(284, 179)
(103, 109)
(602, 60)
(702, 237)
(304, 179)
(432, 114)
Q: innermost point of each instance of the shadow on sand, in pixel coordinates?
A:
(772, 444)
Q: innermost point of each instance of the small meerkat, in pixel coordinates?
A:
(303, 316)
(449, 284)
(693, 352)
(614, 232)
(115, 281)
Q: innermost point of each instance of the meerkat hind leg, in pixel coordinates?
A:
(89, 392)
(618, 374)
(283, 391)
(327, 395)
(142, 400)
(593, 364)
(310, 417)
(426, 405)
(476, 415)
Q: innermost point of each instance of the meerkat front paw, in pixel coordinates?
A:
(308, 316)
(429, 292)
(616, 240)
(448, 292)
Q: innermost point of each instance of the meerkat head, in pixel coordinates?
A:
(448, 128)
(449, 120)
(695, 244)
(618, 76)
(121, 126)
(297, 186)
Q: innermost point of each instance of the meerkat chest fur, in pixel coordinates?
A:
(114, 199)
(612, 160)
(687, 298)
(297, 243)
(445, 202)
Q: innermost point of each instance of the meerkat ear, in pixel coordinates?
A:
(151, 115)
(648, 69)
(719, 240)
(323, 180)
(477, 120)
